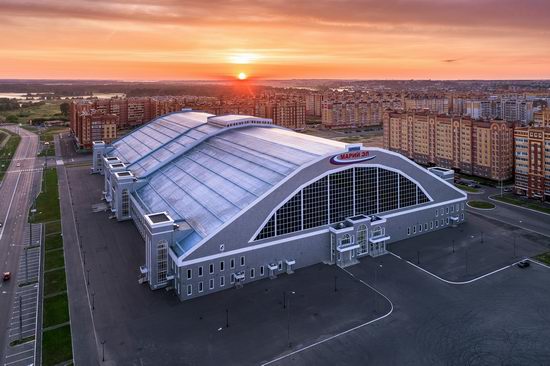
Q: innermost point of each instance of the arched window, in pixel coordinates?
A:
(346, 239)
(337, 196)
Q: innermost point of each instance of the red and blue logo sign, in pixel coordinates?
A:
(351, 157)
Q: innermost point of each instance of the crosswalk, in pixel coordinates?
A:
(23, 326)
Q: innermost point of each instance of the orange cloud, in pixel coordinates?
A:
(184, 39)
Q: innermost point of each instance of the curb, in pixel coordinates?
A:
(482, 209)
(511, 204)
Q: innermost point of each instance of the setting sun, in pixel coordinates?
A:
(242, 76)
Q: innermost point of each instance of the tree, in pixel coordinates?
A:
(12, 118)
(65, 107)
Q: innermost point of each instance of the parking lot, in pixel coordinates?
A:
(503, 317)
(478, 246)
(24, 312)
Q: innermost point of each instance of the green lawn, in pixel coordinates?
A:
(7, 152)
(533, 205)
(56, 310)
(54, 259)
(47, 203)
(54, 241)
(466, 188)
(54, 282)
(53, 227)
(56, 346)
(544, 258)
(45, 110)
(481, 204)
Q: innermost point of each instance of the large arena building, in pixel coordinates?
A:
(225, 200)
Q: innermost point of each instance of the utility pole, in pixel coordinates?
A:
(26, 264)
(226, 317)
(88, 278)
(20, 318)
(102, 351)
(453, 245)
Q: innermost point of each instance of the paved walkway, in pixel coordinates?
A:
(85, 351)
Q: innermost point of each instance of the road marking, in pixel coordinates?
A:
(23, 359)
(20, 353)
(341, 333)
(9, 207)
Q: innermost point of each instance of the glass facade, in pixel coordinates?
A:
(350, 192)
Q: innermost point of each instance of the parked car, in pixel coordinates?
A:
(6, 276)
(1, 223)
(523, 264)
(508, 189)
(18, 165)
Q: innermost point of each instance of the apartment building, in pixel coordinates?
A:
(289, 113)
(542, 118)
(532, 162)
(314, 104)
(433, 104)
(475, 147)
(351, 114)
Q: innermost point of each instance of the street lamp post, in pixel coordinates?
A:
(288, 321)
(93, 300)
(88, 277)
(284, 299)
(226, 317)
(103, 351)
(84, 256)
(453, 245)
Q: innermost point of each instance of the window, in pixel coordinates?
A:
(252, 273)
(346, 239)
(420, 228)
(261, 270)
(447, 210)
(453, 208)
(232, 263)
(211, 268)
(414, 229)
(436, 223)
(442, 222)
(425, 226)
(337, 196)
(200, 286)
(125, 202)
(462, 216)
(222, 264)
(409, 230)
(222, 281)
(447, 221)
(200, 271)
(436, 212)
(162, 261)
(280, 265)
(431, 225)
(211, 285)
(232, 278)
(189, 290)
(242, 261)
(189, 274)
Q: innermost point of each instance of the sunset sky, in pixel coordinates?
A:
(275, 39)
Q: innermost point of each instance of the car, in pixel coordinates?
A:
(1, 224)
(508, 189)
(523, 264)
(18, 165)
(6, 276)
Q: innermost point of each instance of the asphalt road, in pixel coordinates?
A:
(18, 187)
(517, 216)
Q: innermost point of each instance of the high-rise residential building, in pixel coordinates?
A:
(542, 118)
(314, 104)
(433, 104)
(532, 162)
(289, 113)
(475, 147)
(351, 114)
(96, 126)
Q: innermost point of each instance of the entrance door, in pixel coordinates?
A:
(362, 240)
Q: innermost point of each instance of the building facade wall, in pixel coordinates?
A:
(482, 148)
(532, 162)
